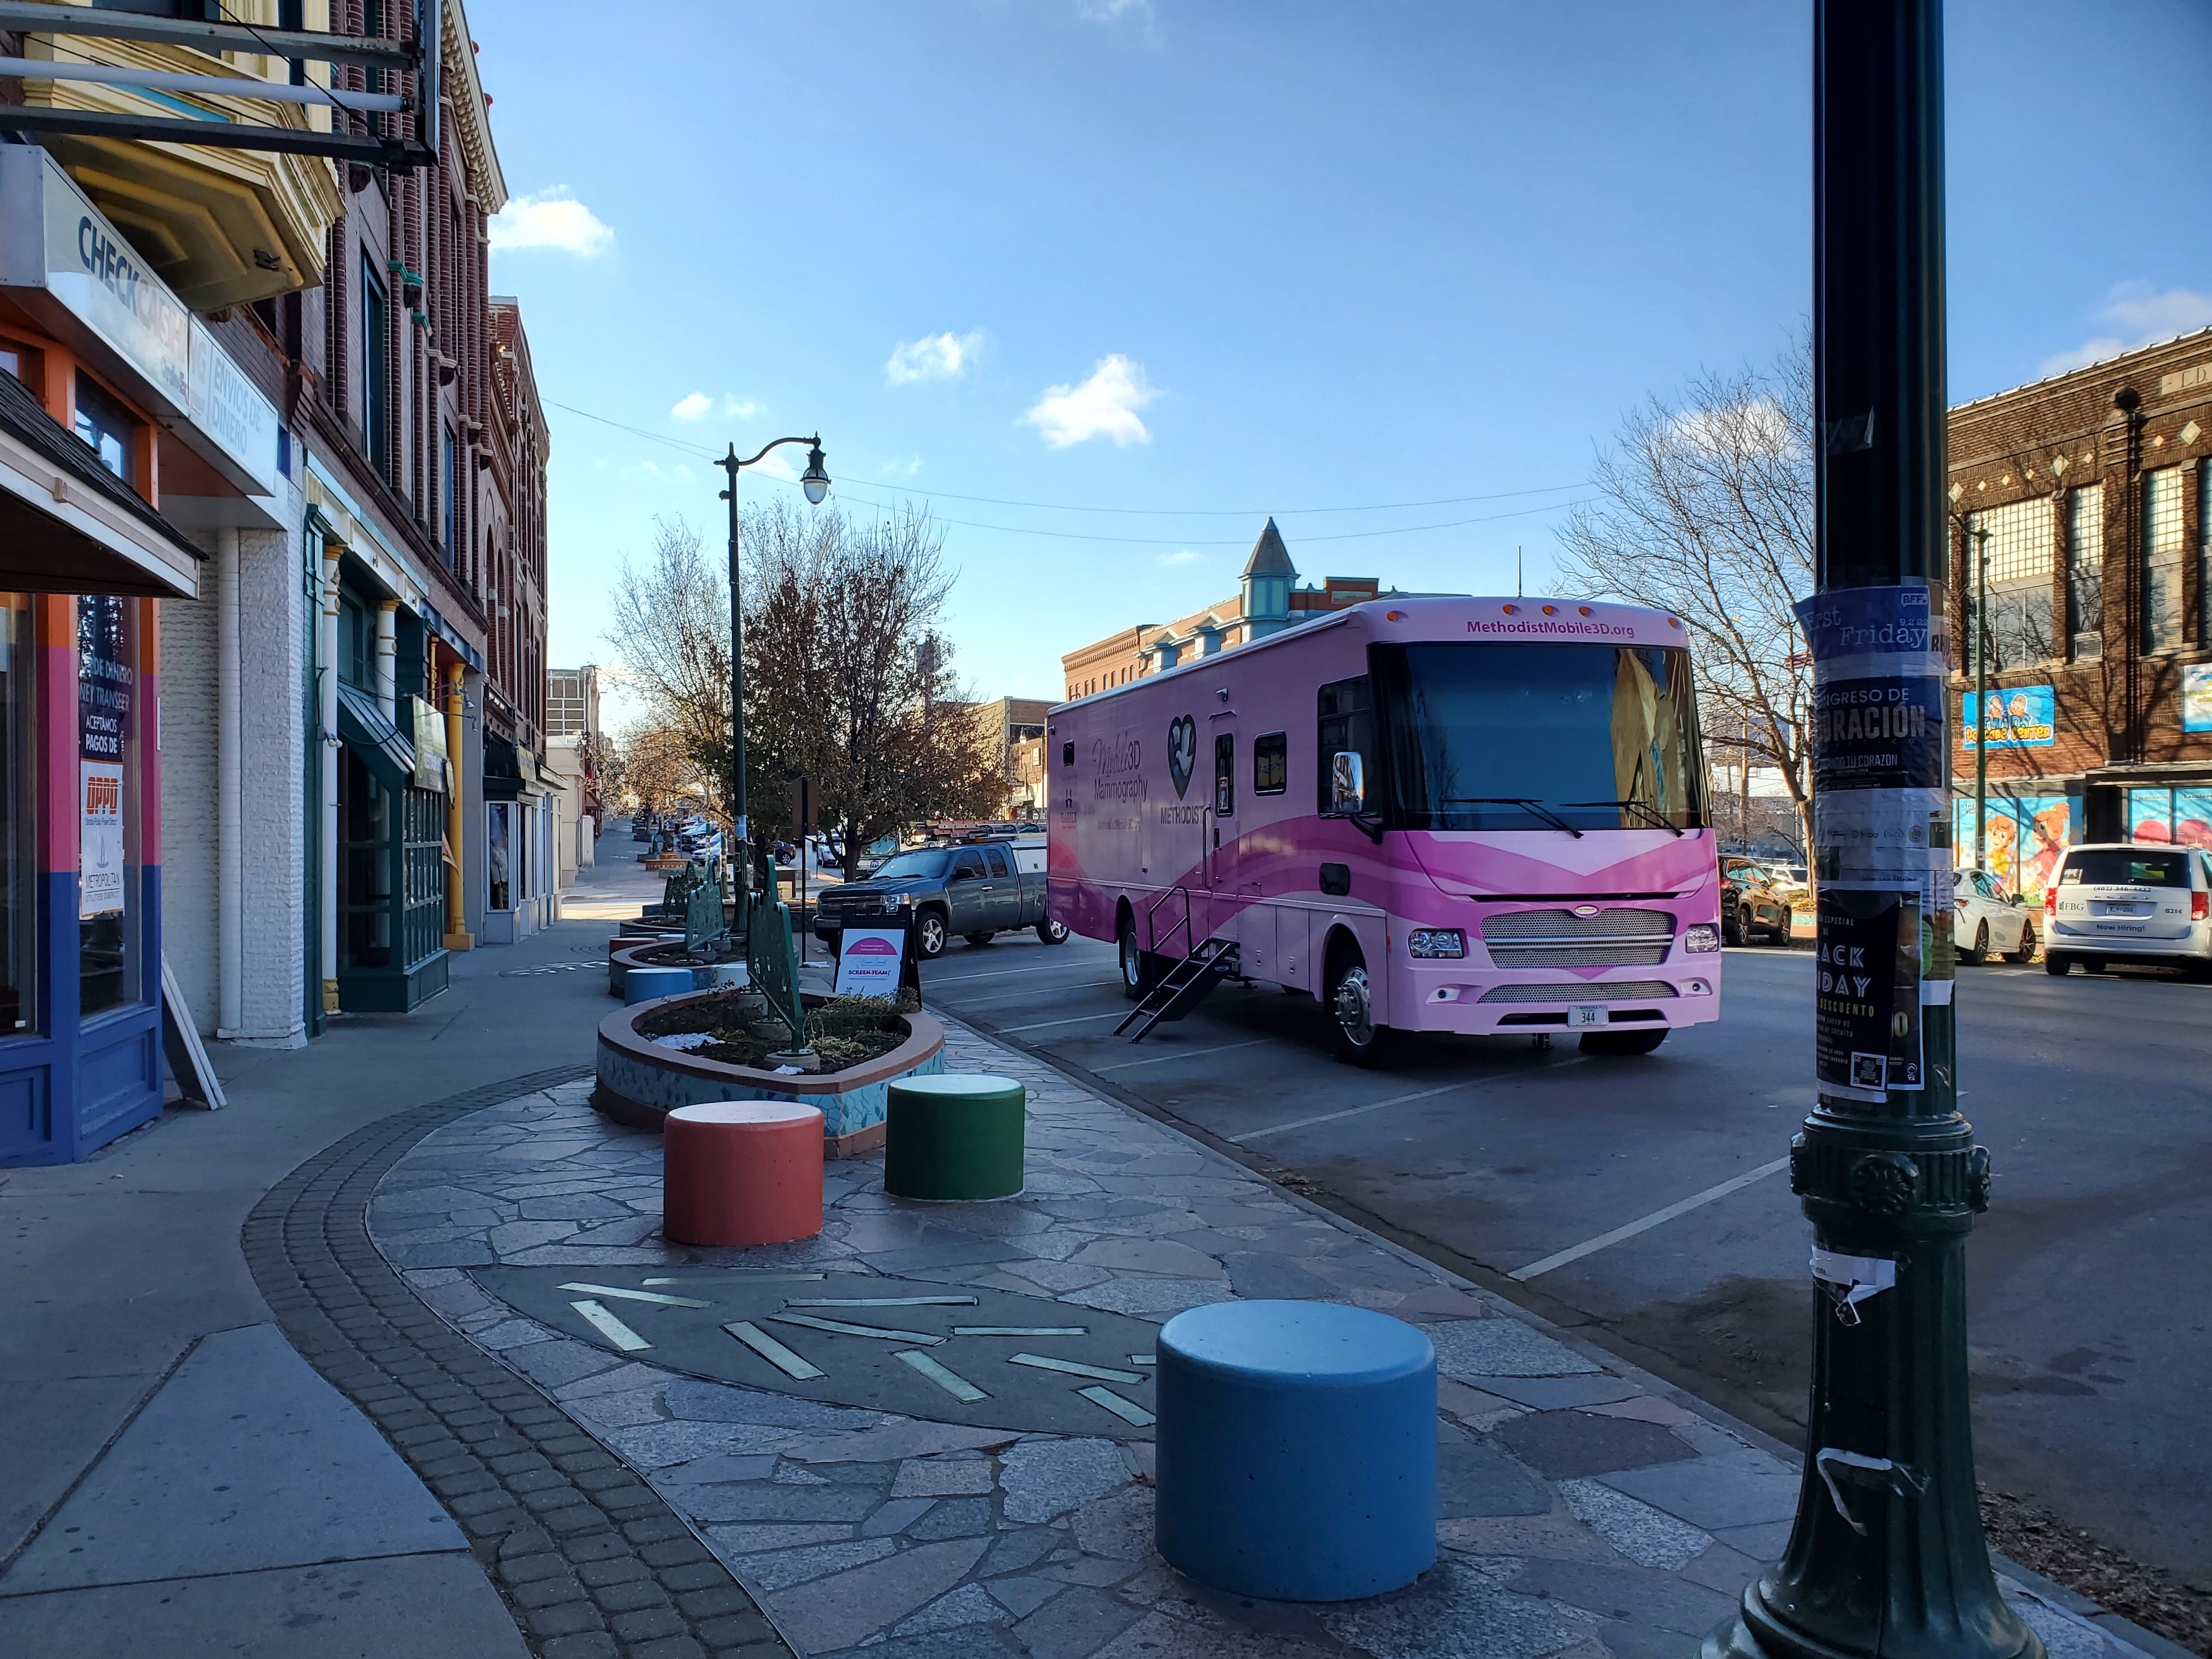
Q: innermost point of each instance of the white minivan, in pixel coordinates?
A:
(2131, 901)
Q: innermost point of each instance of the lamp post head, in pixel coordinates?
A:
(815, 481)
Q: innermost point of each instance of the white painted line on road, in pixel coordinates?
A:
(1377, 1105)
(1349, 1111)
(1179, 1053)
(1644, 1225)
(1026, 996)
(962, 979)
(1047, 1024)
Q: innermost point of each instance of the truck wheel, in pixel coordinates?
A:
(1359, 1039)
(1139, 969)
(978, 939)
(1052, 932)
(929, 935)
(1622, 1042)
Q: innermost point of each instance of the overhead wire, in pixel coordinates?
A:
(858, 492)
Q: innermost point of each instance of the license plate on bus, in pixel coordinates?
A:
(1587, 1013)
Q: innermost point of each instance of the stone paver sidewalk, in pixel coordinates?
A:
(1584, 1510)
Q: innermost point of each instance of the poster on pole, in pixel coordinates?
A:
(1881, 831)
(869, 962)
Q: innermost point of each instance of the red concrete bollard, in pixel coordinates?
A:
(741, 1172)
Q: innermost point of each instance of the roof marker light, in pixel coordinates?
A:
(1512, 610)
(1394, 616)
(1673, 622)
(1582, 610)
(1551, 610)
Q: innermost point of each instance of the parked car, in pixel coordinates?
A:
(1750, 904)
(976, 892)
(1991, 917)
(2130, 900)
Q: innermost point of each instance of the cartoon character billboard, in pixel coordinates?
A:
(2027, 837)
(2019, 716)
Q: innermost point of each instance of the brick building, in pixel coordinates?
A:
(1269, 599)
(2088, 493)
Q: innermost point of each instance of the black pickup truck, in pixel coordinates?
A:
(996, 887)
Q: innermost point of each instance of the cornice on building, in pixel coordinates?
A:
(470, 111)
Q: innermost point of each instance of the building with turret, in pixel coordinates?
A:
(1269, 599)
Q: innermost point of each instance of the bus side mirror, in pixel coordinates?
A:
(1347, 786)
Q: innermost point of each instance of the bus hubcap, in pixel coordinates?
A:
(1353, 1011)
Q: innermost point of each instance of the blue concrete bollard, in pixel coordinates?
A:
(1297, 1450)
(644, 984)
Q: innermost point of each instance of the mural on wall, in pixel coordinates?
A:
(2027, 837)
(2171, 815)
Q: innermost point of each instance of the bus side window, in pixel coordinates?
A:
(1271, 763)
(1225, 775)
(1347, 724)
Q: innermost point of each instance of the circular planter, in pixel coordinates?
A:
(641, 1082)
(705, 976)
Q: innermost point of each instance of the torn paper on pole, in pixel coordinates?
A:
(1857, 1277)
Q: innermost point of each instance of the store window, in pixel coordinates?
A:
(23, 362)
(2180, 816)
(19, 914)
(499, 861)
(2162, 558)
(110, 428)
(365, 825)
(2085, 570)
(2021, 546)
(108, 970)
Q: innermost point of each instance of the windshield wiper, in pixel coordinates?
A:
(1527, 803)
(1651, 815)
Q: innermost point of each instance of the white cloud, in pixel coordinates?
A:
(1106, 11)
(743, 408)
(1103, 406)
(2138, 315)
(692, 406)
(1186, 557)
(932, 357)
(549, 218)
(900, 469)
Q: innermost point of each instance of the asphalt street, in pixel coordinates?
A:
(1645, 1201)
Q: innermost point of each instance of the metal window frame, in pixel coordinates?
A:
(422, 61)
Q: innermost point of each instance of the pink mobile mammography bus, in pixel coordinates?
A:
(1434, 814)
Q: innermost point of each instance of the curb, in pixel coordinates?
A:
(591, 1563)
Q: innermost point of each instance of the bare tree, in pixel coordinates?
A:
(848, 678)
(671, 632)
(1705, 511)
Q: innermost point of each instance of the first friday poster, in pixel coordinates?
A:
(1880, 834)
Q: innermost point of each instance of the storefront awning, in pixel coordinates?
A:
(510, 771)
(374, 739)
(69, 526)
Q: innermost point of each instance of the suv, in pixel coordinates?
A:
(2151, 903)
(1750, 903)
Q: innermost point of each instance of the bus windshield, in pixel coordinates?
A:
(1536, 736)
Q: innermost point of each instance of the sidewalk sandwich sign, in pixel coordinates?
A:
(870, 961)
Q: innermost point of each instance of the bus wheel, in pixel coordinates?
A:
(1622, 1042)
(1359, 1039)
(1139, 970)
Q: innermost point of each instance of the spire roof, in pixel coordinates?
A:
(1269, 557)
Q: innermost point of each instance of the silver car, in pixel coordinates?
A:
(2129, 902)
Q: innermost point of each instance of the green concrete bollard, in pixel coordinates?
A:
(951, 1137)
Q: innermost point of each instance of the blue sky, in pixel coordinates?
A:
(1200, 261)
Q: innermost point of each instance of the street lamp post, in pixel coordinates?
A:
(1887, 1554)
(1981, 534)
(815, 481)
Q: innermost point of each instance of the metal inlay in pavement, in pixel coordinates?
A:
(1023, 1361)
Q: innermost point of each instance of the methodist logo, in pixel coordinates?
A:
(1183, 751)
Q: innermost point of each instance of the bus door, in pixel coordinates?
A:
(1230, 891)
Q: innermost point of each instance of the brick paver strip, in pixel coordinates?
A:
(590, 1559)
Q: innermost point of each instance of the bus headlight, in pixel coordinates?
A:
(1701, 938)
(1436, 942)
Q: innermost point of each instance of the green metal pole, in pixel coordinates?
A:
(739, 826)
(1886, 1557)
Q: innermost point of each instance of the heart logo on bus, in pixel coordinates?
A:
(1183, 751)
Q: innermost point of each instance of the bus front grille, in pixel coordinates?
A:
(1613, 990)
(1560, 938)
